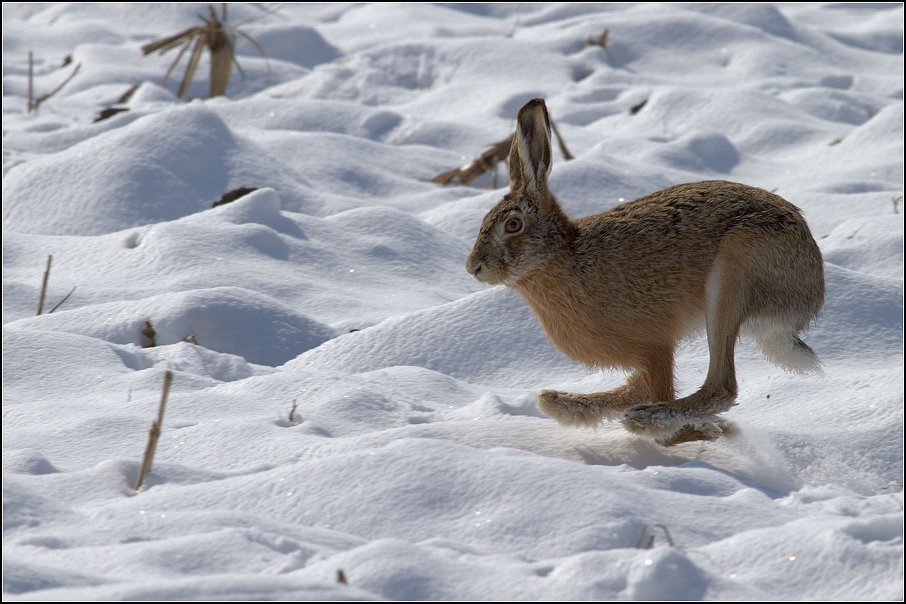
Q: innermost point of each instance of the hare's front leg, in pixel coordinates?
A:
(571, 409)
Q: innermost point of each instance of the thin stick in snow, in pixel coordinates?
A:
(154, 433)
(60, 303)
(44, 285)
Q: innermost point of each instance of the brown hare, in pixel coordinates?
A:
(620, 289)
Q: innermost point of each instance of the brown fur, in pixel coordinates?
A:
(622, 288)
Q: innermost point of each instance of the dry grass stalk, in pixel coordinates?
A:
(124, 98)
(516, 22)
(44, 285)
(66, 297)
(488, 160)
(33, 105)
(220, 42)
(663, 527)
(602, 42)
(341, 577)
(108, 112)
(494, 154)
(154, 433)
(638, 542)
(563, 150)
(650, 542)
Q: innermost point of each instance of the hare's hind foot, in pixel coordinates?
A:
(663, 420)
(707, 431)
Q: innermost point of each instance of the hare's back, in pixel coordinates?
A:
(664, 245)
(696, 216)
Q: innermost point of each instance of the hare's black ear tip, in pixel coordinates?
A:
(539, 102)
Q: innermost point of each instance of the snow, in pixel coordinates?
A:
(415, 460)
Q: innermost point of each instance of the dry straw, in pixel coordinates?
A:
(488, 160)
(154, 433)
(220, 42)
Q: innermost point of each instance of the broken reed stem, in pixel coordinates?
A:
(60, 303)
(154, 433)
(44, 285)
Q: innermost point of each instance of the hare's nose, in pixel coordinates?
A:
(473, 265)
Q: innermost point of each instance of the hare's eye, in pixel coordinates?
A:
(513, 225)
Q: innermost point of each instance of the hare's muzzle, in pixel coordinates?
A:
(476, 267)
(473, 265)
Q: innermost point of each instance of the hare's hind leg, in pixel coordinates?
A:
(694, 417)
(653, 383)
(703, 431)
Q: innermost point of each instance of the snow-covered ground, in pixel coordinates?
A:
(415, 461)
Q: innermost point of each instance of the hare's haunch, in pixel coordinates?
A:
(622, 288)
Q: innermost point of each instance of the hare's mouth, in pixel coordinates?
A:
(479, 273)
(483, 274)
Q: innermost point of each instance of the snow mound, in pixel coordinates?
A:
(232, 320)
(488, 337)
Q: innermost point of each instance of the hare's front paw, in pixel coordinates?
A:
(568, 409)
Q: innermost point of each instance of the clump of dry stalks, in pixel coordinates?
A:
(218, 38)
(488, 160)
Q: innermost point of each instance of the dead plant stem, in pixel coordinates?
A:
(154, 433)
(44, 284)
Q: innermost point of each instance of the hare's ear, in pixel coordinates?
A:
(530, 153)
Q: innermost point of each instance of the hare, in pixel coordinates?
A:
(620, 289)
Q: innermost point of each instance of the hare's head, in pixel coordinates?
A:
(527, 228)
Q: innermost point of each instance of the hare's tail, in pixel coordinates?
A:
(780, 344)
